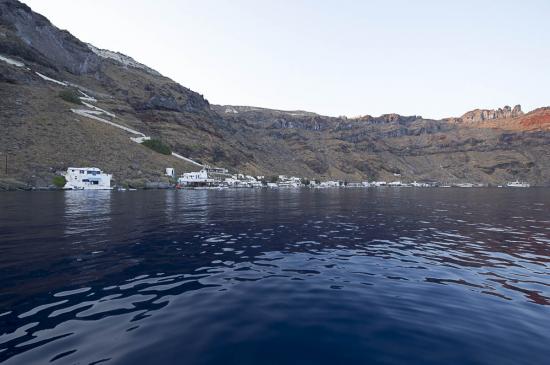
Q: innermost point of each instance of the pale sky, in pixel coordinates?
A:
(433, 58)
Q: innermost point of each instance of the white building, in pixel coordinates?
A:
(252, 182)
(87, 178)
(330, 184)
(242, 181)
(216, 170)
(420, 185)
(518, 184)
(195, 179)
(235, 182)
(219, 175)
(289, 181)
(255, 184)
(170, 172)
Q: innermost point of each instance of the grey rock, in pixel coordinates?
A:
(43, 43)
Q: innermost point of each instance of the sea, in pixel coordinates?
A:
(282, 276)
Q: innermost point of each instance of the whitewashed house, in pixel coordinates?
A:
(196, 179)
(87, 178)
(420, 185)
(233, 182)
(251, 182)
(242, 181)
(289, 181)
(170, 172)
(255, 183)
(330, 184)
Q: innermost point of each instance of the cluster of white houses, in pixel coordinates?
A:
(218, 177)
(92, 178)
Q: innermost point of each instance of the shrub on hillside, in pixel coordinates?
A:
(158, 146)
(71, 96)
(59, 181)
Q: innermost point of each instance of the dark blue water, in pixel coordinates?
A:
(378, 276)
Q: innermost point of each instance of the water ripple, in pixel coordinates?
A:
(114, 279)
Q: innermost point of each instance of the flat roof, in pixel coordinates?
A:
(84, 168)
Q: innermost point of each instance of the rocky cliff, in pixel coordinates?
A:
(41, 133)
(480, 115)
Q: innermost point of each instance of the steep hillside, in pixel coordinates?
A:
(41, 133)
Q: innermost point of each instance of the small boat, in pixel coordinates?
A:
(518, 184)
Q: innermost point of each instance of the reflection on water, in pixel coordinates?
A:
(85, 211)
(250, 276)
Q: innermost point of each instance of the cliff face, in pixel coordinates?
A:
(42, 135)
(480, 115)
(379, 147)
(32, 37)
(507, 119)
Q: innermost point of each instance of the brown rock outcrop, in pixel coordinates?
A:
(480, 115)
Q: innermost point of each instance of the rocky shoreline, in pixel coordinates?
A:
(8, 184)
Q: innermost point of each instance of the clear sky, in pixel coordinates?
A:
(433, 58)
